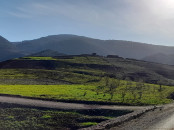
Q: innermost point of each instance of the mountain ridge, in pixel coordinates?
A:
(160, 58)
(8, 50)
(75, 45)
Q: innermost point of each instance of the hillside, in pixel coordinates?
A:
(47, 53)
(160, 58)
(75, 45)
(8, 50)
(90, 79)
(125, 69)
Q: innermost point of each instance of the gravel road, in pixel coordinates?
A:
(166, 124)
(159, 119)
(61, 105)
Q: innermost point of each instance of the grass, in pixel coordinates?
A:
(88, 123)
(83, 60)
(151, 94)
(119, 67)
(30, 118)
(86, 60)
(40, 119)
(36, 58)
(71, 75)
(15, 74)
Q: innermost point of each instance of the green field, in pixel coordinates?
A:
(84, 60)
(150, 94)
(36, 58)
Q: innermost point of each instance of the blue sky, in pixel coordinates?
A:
(149, 21)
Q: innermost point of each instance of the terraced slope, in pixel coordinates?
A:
(125, 69)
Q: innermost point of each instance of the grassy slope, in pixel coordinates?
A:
(85, 81)
(118, 67)
(150, 95)
(71, 75)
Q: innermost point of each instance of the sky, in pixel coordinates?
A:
(147, 21)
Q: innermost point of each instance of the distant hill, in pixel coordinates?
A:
(8, 50)
(160, 58)
(75, 45)
(47, 53)
(67, 44)
(72, 44)
(5, 44)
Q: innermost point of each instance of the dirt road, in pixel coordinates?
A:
(166, 124)
(61, 105)
(159, 119)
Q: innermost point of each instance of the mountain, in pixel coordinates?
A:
(72, 44)
(47, 53)
(8, 50)
(67, 44)
(5, 44)
(75, 45)
(160, 58)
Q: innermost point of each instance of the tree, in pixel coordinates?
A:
(113, 85)
(123, 93)
(161, 82)
(105, 84)
(137, 90)
(110, 86)
(99, 89)
(139, 87)
(160, 85)
(84, 93)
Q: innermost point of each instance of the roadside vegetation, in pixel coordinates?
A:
(33, 118)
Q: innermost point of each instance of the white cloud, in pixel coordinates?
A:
(19, 15)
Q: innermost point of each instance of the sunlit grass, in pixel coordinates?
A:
(83, 60)
(36, 58)
(14, 74)
(151, 94)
